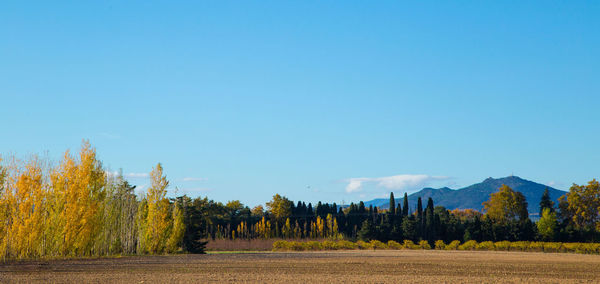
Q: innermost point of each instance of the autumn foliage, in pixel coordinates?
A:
(77, 209)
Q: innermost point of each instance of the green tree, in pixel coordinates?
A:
(409, 228)
(367, 230)
(405, 205)
(392, 208)
(547, 225)
(506, 205)
(546, 202)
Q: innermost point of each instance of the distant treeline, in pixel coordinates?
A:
(504, 218)
(78, 208)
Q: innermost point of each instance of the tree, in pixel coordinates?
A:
(547, 225)
(367, 230)
(584, 205)
(175, 237)
(409, 228)
(392, 208)
(157, 221)
(506, 205)
(546, 202)
(280, 207)
(405, 205)
(26, 230)
(78, 195)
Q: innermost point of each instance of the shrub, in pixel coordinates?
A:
(571, 247)
(485, 246)
(453, 245)
(343, 244)
(502, 245)
(364, 245)
(329, 245)
(312, 245)
(552, 247)
(408, 244)
(423, 244)
(394, 245)
(469, 245)
(439, 244)
(519, 246)
(536, 246)
(378, 245)
(280, 245)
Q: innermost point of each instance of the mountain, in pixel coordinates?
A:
(473, 196)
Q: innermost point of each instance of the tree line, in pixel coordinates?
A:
(504, 218)
(78, 208)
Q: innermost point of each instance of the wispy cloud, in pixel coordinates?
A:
(136, 175)
(129, 175)
(193, 179)
(398, 182)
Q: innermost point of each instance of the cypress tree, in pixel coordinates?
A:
(392, 209)
(430, 233)
(405, 205)
(546, 202)
(419, 208)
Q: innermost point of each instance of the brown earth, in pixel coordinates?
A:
(323, 267)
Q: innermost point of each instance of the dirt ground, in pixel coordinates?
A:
(323, 267)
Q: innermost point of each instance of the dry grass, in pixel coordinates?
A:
(301, 267)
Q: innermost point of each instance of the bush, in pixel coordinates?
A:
(364, 245)
(485, 246)
(394, 245)
(312, 245)
(329, 245)
(502, 245)
(552, 247)
(469, 245)
(343, 244)
(423, 244)
(378, 245)
(519, 246)
(453, 245)
(536, 246)
(571, 247)
(280, 245)
(287, 245)
(439, 244)
(408, 244)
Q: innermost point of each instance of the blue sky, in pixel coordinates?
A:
(316, 100)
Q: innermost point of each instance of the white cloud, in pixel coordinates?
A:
(136, 175)
(397, 182)
(193, 179)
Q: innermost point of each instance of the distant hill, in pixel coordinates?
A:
(473, 196)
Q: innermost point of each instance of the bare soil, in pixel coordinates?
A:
(323, 267)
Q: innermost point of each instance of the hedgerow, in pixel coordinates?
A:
(582, 248)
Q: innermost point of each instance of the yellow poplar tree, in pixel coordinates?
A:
(78, 202)
(28, 211)
(177, 231)
(157, 222)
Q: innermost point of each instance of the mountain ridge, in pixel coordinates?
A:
(472, 197)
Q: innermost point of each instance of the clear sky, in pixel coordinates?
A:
(316, 100)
